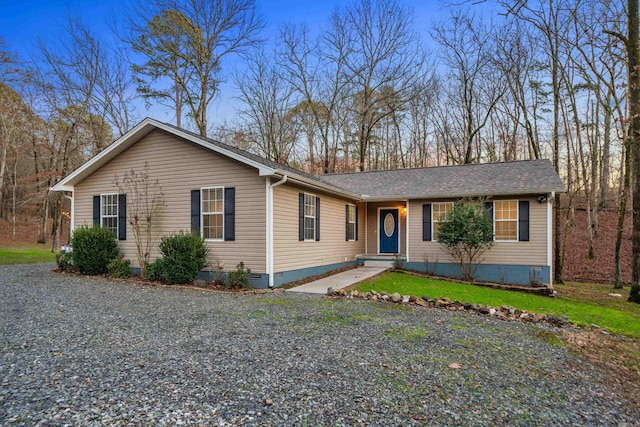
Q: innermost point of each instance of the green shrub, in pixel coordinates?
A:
(154, 271)
(64, 261)
(184, 255)
(239, 278)
(93, 249)
(120, 268)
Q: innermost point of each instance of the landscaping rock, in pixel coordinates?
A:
(396, 297)
(200, 283)
(331, 292)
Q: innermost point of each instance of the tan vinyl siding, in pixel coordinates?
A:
(181, 166)
(533, 252)
(373, 225)
(292, 254)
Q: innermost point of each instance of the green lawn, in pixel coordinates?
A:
(584, 304)
(26, 254)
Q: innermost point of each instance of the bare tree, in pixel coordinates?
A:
(145, 203)
(186, 41)
(477, 89)
(383, 53)
(268, 115)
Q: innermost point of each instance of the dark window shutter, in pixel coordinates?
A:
(488, 206)
(195, 211)
(523, 220)
(229, 214)
(426, 222)
(96, 210)
(317, 218)
(346, 223)
(356, 223)
(122, 217)
(301, 217)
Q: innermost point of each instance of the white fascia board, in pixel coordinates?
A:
(451, 196)
(105, 155)
(137, 132)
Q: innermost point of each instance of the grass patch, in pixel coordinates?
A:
(408, 333)
(587, 304)
(26, 254)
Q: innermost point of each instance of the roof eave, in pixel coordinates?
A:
(317, 184)
(134, 135)
(459, 195)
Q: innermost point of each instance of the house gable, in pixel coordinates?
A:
(181, 167)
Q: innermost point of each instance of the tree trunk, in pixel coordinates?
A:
(622, 213)
(633, 56)
(605, 176)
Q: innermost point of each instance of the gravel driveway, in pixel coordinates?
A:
(91, 351)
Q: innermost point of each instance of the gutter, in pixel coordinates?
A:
(270, 188)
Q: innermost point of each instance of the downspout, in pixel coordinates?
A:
(366, 228)
(550, 236)
(406, 219)
(270, 227)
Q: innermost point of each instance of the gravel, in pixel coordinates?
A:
(93, 351)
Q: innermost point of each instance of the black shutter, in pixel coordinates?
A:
(356, 223)
(96, 210)
(426, 222)
(346, 223)
(229, 214)
(122, 217)
(523, 220)
(195, 211)
(317, 218)
(301, 217)
(488, 206)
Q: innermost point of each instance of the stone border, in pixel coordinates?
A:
(503, 313)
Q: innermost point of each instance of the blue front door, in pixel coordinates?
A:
(389, 231)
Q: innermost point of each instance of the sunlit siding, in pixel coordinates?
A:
(532, 252)
(181, 166)
(292, 254)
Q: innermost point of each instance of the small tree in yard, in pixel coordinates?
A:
(145, 203)
(467, 236)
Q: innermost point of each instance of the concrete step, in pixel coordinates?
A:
(378, 263)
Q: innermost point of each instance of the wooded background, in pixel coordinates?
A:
(369, 89)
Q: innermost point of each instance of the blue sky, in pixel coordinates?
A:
(23, 22)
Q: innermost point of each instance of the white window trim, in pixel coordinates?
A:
(203, 213)
(433, 221)
(116, 216)
(355, 220)
(315, 210)
(495, 239)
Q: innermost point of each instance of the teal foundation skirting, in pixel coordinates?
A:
(261, 280)
(498, 273)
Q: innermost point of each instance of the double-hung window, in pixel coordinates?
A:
(440, 212)
(109, 212)
(309, 217)
(505, 215)
(212, 213)
(351, 223)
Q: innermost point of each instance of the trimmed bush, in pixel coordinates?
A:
(93, 249)
(120, 268)
(184, 255)
(239, 278)
(154, 271)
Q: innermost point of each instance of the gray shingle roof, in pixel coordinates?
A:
(487, 179)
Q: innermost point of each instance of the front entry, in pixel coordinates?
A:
(388, 231)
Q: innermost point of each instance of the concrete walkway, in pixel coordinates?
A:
(339, 280)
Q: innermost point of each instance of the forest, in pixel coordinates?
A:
(368, 89)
